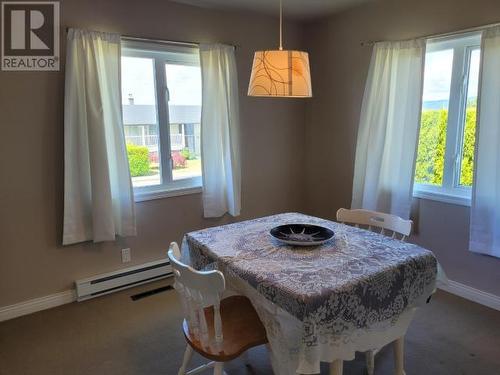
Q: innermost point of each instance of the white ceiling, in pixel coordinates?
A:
(298, 9)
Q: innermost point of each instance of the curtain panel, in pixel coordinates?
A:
(388, 128)
(485, 207)
(220, 133)
(98, 195)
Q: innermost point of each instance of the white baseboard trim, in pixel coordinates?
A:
(37, 304)
(472, 294)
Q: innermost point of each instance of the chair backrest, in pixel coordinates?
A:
(198, 290)
(373, 219)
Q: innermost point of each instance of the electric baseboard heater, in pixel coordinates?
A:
(122, 279)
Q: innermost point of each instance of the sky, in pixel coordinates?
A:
(184, 82)
(437, 78)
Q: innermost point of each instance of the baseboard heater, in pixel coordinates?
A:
(122, 279)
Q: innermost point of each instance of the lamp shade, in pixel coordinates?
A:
(280, 74)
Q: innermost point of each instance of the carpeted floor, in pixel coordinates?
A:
(113, 335)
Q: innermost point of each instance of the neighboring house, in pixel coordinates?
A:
(141, 126)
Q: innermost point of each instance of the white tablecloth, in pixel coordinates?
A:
(354, 293)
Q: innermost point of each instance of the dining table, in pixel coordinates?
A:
(354, 293)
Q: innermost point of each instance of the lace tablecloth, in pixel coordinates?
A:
(353, 293)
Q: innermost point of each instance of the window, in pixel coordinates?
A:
(445, 156)
(161, 104)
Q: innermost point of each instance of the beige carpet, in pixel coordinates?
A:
(113, 335)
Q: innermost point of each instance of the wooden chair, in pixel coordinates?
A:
(395, 227)
(218, 329)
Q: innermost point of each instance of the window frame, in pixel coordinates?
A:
(451, 191)
(162, 54)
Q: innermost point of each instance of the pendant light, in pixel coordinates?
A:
(280, 73)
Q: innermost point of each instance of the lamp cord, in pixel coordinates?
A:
(281, 25)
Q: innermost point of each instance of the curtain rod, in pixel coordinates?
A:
(440, 35)
(160, 41)
(163, 41)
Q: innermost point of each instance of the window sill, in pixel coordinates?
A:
(160, 194)
(443, 197)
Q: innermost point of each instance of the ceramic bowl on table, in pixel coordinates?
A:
(302, 234)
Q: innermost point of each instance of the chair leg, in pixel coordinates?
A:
(219, 368)
(337, 367)
(370, 362)
(399, 368)
(187, 357)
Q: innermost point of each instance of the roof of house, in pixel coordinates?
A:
(144, 114)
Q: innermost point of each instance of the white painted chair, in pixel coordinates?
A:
(385, 223)
(218, 329)
(395, 227)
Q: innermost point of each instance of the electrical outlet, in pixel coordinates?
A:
(126, 255)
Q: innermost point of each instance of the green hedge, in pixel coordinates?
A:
(138, 158)
(432, 147)
(469, 144)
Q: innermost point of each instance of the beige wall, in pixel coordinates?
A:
(32, 261)
(281, 171)
(339, 66)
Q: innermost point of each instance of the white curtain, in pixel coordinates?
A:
(485, 210)
(220, 131)
(388, 128)
(98, 196)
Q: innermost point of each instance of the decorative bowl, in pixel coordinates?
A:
(301, 234)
